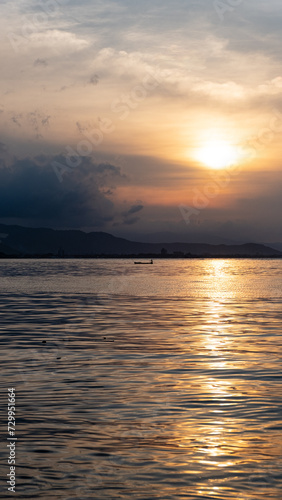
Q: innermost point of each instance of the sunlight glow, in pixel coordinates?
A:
(217, 154)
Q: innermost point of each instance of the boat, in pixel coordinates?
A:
(145, 263)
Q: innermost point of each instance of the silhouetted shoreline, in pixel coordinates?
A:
(139, 256)
(21, 242)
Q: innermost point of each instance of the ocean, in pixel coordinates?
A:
(159, 382)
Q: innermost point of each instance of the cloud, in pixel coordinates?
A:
(81, 128)
(131, 221)
(94, 80)
(31, 194)
(37, 121)
(127, 215)
(16, 119)
(209, 73)
(40, 62)
(3, 147)
(133, 210)
(58, 40)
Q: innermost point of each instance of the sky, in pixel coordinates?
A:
(152, 120)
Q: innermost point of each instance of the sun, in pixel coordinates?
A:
(217, 154)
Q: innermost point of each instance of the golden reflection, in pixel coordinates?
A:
(218, 438)
(217, 341)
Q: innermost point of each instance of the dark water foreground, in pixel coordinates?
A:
(157, 383)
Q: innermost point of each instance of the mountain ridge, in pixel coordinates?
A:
(22, 241)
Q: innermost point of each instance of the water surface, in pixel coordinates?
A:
(155, 382)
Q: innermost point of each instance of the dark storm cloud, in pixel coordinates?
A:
(30, 191)
(133, 210)
(128, 220)
(106, 168)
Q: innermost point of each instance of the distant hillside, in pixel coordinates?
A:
(6, 250)
(277, 246)
(28, 241)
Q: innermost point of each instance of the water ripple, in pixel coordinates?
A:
(123, 394)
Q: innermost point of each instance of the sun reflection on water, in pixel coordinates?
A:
(173, 393)
(217, 434)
